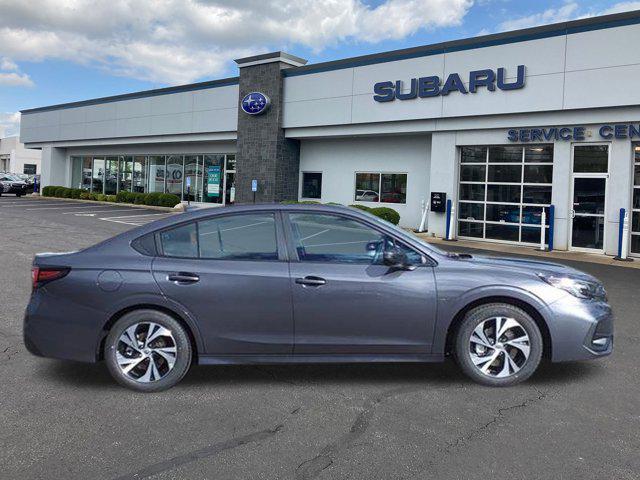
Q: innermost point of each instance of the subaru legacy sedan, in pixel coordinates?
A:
(305, 284)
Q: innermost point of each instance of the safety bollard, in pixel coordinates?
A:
(423, 220)
(451, 218)
(543, 223)
(623, 237)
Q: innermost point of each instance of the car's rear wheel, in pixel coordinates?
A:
(498, 345)
(148, 351)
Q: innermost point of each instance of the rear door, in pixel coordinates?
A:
(231, 273)
(345, 300)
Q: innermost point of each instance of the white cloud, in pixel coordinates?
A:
(571, 10)
(9, 123)
(551, 15)
(13, 79)
(6, 64)
(176, 41)
(621, 7)
(11, 76)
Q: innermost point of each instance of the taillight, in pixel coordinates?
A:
(40, 275)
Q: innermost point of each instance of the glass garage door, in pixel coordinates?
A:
(635, 215)
(502, 192)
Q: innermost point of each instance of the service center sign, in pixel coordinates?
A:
(425, 87)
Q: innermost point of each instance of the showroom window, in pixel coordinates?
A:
(502, 192)
(312, 185)
(29, 169)
(211, 176)
(381, 187)
(635, 215)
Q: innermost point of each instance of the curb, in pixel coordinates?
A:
(96, 202)
(532, 252)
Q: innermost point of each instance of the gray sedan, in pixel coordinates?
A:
(302, 284)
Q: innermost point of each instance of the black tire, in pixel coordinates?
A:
(472, 319)
(180, 337)
(18, 195)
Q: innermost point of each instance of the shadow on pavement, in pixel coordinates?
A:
(80, 375)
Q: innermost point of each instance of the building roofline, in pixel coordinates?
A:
(142, 94)
(515, 36)
(278, 56)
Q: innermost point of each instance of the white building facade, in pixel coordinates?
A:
(504, 126)
(15, 158)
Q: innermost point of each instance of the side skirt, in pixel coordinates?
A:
(298, 359)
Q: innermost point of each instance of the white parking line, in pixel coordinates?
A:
(99, 211)
(125, 219)
(59, 208)
(145, 215)
(3, 204)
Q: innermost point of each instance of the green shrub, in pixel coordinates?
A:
(169, 200)
(110, 198)
(76, 193)
(139, 198)
(289, 202)
(101, 197)
(153, 198)
(361, 207)
(85, 195)
(58, 191)
(334, 203)
(48, 191)
(386, 213)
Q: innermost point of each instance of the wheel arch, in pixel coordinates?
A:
(195, 344)
(532, 311)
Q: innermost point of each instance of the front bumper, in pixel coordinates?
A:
(17, 190)
(580, 329)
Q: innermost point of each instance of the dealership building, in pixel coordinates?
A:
(504, 126)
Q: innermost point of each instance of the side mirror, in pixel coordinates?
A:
(396, 259)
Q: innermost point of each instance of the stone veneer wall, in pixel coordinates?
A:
(263, 151)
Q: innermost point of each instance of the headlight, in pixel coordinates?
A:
(577, 287)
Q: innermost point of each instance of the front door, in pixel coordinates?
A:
(227, 271)
(345, 301)
(589, 192)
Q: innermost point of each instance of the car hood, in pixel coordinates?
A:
(527, 266)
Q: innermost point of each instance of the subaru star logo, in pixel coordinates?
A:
(255, 103)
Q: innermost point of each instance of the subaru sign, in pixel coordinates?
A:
(255, 103)
(425, 87)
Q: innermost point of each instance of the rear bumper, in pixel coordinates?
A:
(50, 332)
(580, 330)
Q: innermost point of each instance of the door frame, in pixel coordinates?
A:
(572, 214)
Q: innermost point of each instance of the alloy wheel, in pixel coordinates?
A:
(499, 347)
(146, 352)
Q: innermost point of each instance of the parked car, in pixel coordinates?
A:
(366, 196)
(393, 198)
(12, 184)
(300, 284)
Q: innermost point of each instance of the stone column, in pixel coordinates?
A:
(264, 154)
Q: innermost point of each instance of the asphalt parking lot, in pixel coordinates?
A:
(70, 420)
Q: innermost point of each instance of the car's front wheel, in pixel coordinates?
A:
(498, 345)
(148, 351)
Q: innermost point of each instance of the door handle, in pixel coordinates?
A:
(182, 277)
(573, 214)
(311, 281)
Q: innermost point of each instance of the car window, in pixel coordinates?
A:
(335, 239)
(239, 237)
(181, 241)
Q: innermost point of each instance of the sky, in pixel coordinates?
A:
(57, 51)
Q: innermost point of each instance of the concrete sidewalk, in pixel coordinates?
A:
(529, 251)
